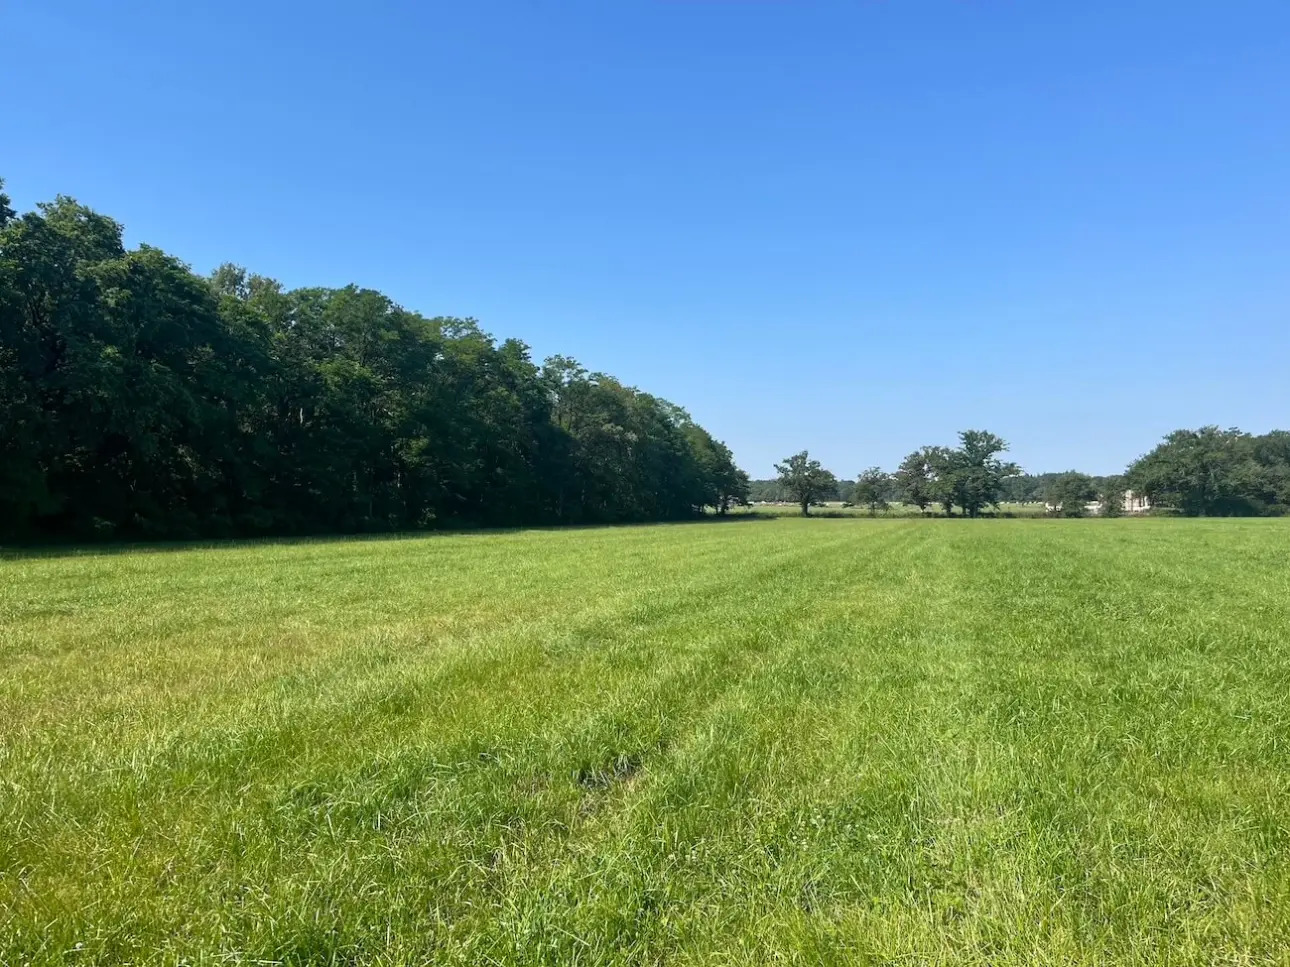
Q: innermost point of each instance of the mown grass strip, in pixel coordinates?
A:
(771, 741)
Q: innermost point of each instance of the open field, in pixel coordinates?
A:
(764, 741)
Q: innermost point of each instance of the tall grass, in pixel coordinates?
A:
(831, 741)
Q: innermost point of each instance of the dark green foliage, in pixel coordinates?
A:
(774, 491)
(1272, 455)
(976, 473)
(1070, 493)
(805, 481)
(913, 479)
(765, 490)
(1205, 472)
(942, 463)
(726, 485)
(1214, 472)
(1111, 493)
(871, 489)
(970, 476)
(1032, 488)
(141, 400)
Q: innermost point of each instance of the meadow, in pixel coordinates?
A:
(741, 743)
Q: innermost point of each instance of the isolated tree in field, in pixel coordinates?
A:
(913, 480)
(976, 473)
(805, 480)
(871, 490)
(1070, 493)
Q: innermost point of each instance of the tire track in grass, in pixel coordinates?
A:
(945, 867)
(327, 670)
(768, 876)
(616, 881)
(603, 733)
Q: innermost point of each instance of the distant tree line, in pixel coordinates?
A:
(970, 477)
(840, 491)
(139, 400)
(1209, 472)
(773, 491)
(1038, 488)
(1204, 472)
(1215, 472)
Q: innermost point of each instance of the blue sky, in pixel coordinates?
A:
(853, 227)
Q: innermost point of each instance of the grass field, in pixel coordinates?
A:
(755, 742)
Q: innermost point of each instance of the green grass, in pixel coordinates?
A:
(779, 741)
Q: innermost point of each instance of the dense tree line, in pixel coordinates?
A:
(1038, 488)
(141, 400)
(1204, 472)
(1198, 473)
(1216, 472)
(1075, 494)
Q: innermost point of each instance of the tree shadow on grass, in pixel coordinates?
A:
(68, 548)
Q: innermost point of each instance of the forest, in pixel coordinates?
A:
(142, 400)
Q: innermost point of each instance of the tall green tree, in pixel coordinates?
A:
(1111, 493)
(1070, 493)
(943, 464)
(975, 473)
(871, 489)
(914, 481)
(724, 484)
(1204, 472)
(805, 480)
(1272, 456)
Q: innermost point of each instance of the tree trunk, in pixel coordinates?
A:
(806, 508)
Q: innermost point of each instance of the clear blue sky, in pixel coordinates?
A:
(854, 227)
